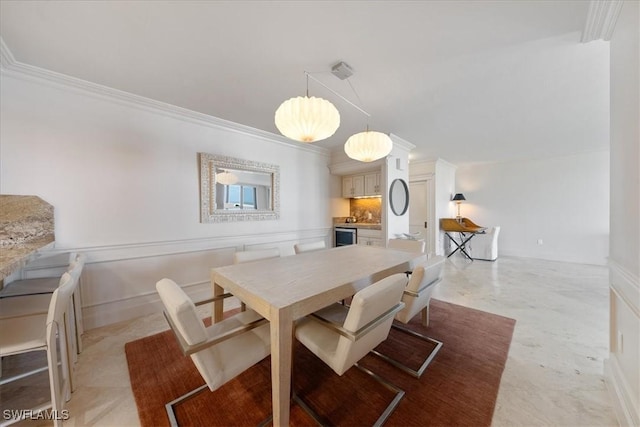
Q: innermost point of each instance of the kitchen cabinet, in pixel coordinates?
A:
(353, 186)
(370, 237)
(361, 185)
(372, 184)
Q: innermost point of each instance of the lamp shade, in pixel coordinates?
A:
(226, 178)
(458, 197)
(307, 119)
(368, 146)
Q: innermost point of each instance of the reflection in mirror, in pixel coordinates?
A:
(237, 190)
(399, 197)
(243, 190)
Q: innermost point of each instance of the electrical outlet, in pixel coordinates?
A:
(539, 241)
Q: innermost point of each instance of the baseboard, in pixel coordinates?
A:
(627, 412)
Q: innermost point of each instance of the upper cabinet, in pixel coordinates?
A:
(353, 186)
(361, 185)
(372, 184)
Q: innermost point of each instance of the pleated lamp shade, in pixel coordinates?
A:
(307, 119)
(226, 178)
(368, 146)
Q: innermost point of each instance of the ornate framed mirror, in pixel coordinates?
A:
(399, 197)
(234, 189)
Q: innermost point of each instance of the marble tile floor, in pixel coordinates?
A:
(553, 376)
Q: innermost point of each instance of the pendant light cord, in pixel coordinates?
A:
(335, 93)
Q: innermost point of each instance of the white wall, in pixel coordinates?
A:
(622, 369)
(562, 201)
(122, 175)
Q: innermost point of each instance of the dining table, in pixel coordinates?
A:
(288, 288)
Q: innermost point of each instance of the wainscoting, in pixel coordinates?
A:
(118, 282)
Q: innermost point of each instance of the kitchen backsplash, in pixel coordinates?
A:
(366, 210)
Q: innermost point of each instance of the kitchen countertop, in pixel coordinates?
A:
(26, 229)
(359, 225)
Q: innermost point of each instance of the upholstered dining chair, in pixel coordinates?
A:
(40, 332)
(308, 247)
(340, 336)
(248, 256)
(407, 245)
(221, 351)
(416, 298)
(241, 257)
(25, 304)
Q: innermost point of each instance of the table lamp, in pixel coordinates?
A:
(458, 198)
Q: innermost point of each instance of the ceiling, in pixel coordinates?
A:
(465, 81)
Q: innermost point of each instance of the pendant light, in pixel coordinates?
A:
(226, 178)
(307, 119)
(368, 146)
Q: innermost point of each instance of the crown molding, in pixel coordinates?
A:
(402, 143)
(601, 20)
(13, 68)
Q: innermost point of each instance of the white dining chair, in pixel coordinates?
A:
(308, 247)
(248, 256)
(241, 257)
(19, 305)
(221, 351)
(416, 298)
(43, 332)
(407, 245)
(340, 336)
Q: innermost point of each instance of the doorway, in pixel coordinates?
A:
(420, 207)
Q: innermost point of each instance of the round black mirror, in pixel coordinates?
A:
(399, 196)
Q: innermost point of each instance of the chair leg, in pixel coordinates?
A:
(172, 415)
(417, 373)
(425, 316)
(169, 406)
(399, 394)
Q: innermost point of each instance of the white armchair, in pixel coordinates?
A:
(416, 298)
(221, 351)
(340, 336)
(485, 246)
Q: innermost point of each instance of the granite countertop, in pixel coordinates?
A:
(364, 225)
(26, 228)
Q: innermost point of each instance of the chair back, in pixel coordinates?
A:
(367, 305)
(420, 287)
(190, 329)
(55, 327)
(308, 247)
(494, 231)
(76, 264)
(248, 256)
(407, 245)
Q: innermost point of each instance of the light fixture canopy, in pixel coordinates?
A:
(368, 146)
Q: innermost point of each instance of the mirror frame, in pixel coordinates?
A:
(208, 211)
(405, 188)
